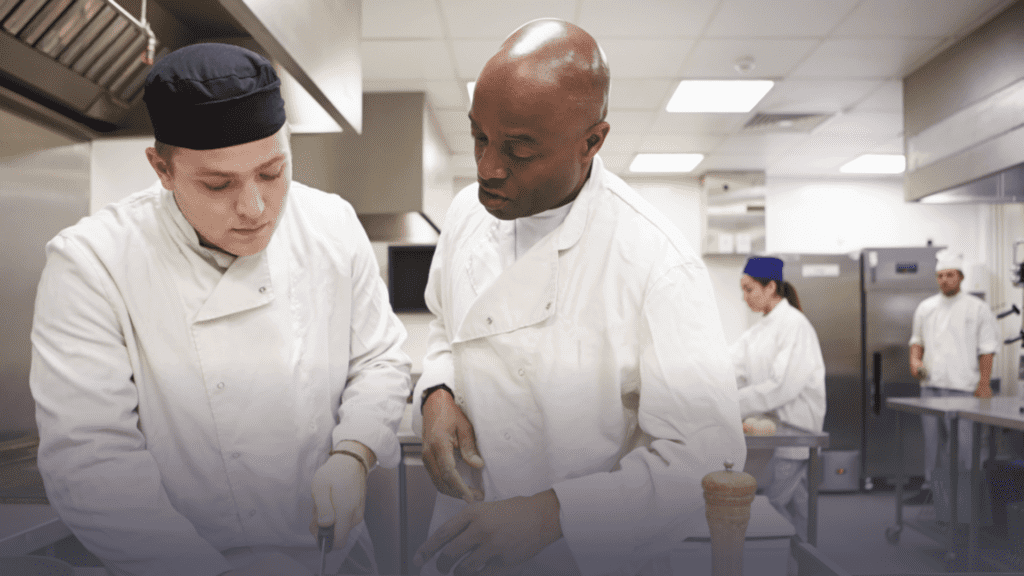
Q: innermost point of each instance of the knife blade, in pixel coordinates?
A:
(325, 541)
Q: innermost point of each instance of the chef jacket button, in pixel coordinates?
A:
(263, 289)
(508, 436)
(236, 454)
(220, 385)
(252, 513)
(489, 321)
(547, 306)
(522, 372)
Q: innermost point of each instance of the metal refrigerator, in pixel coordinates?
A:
(895, 281)
(861, 306)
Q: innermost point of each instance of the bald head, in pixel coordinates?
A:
(550, 54)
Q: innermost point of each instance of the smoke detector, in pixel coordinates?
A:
(722, 181)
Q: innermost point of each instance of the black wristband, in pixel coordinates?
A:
(431, 390)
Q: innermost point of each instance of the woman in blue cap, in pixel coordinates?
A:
(781, 373)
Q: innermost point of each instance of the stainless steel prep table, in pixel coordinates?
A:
(952, 407)
(788, 435)
(1007, 413)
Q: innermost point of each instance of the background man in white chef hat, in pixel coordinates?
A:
(951, 352)
(215, 362)
(576, 342)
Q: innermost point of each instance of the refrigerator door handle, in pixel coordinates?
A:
(876, 391)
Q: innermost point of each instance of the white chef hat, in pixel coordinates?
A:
(949, 261)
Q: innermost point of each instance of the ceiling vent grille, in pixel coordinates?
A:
(784, 122)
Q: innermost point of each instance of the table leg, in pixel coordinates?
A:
(972, 538)
(954, 461)
(815, 475)
(900, 476)
(403, 518)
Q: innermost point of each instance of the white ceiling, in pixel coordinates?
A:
(842, 57)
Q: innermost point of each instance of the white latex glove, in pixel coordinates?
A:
(273, 565)
(339, 496)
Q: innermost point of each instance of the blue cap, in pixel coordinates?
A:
(207, 96)
(767, 267)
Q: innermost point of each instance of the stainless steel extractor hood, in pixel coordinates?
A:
(963, 128)
(76, 65)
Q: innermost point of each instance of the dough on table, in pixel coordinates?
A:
(759, 426)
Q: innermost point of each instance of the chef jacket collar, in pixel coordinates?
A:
(216, 258)
(572, 228)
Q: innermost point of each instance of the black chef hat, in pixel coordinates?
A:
(208, 96)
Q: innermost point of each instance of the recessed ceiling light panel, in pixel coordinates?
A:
(718, 95)
(665, 162)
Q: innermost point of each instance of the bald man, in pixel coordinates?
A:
(577, 383)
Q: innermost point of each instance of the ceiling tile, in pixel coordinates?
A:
(621, 144)
(913, 18)
(420, 19)
(673, 123)
(883, 125)
(629, 122)
(793, 18)
(894, 146)
(617, 163)
(813, 164)
(681, 143)
(733, 162)
(638, 58)
(415, 59)
(759, 145)
(447, 94)
(837, 145)
(471, 55)
(496, 20)
(716, 57)
(864, 58)
(635, 93)
(815, 95)
(647, 19)
(888, 97)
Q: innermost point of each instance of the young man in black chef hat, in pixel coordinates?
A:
(215, 363)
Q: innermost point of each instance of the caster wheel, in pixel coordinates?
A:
(868, 484)
(892, 534)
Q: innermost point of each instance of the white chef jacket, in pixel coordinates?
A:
(780, 371)
(184, 408)
(595, 364)
(954, 331)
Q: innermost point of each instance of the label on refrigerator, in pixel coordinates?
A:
(821, 270)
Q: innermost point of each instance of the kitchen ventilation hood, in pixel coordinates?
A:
(74, 63)
(397, 174)
(76, 66)
(963, 128)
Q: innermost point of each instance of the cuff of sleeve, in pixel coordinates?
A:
(427, 380)
(375, 436)
(591, 518)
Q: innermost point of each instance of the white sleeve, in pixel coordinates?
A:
(988, 337)
(689, 409)
(378, 378)
(437, 362)
(738, 355)
(99, 477)
(917, 328)
(797, 359)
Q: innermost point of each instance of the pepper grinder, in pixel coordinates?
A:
(727, 498)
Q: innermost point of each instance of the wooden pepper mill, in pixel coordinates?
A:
(727, 499)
